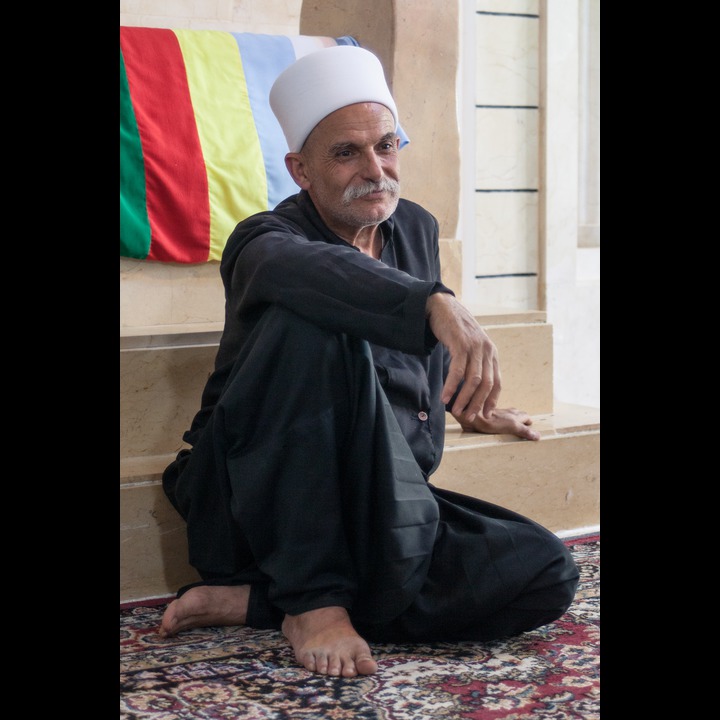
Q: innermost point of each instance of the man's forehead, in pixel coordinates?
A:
(360, 118)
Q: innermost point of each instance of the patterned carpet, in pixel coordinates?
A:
(221, 673)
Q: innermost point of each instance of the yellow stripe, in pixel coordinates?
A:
(237, 184)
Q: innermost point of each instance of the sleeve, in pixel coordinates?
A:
(335, 286)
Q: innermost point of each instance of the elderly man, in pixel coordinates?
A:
(306, 491)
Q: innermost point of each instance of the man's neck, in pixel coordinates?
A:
(369, 241)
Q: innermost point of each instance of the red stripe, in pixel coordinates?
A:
(177, 191)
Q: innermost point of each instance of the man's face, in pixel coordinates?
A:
(352, 168)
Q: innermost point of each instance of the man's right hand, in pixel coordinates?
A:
(473, 358)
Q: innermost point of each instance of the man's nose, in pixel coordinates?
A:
(372, 167)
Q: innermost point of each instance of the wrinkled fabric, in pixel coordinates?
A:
(316, 437)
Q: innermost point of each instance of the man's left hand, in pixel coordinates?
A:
(502, 421)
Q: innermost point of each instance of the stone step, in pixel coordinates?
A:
(555, 481)
(525, 347)
(163, 372)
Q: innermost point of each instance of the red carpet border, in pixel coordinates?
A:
(551, 673)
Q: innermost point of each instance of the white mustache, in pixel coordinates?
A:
(358, 191)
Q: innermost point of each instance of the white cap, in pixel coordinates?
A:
(324, 81)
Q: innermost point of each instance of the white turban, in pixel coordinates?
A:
(324, 81)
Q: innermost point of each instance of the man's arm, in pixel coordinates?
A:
(334, 286)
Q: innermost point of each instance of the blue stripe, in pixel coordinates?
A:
(264, 57)
(347, 40)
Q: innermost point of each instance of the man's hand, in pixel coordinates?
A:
(473, 358)
(505, 420)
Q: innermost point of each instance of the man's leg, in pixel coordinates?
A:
(323, 486)
(303, 486)
(494, 574)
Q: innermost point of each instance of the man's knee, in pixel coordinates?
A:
(294, 342)
(553, 590)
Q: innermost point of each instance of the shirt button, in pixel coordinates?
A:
(422, 415)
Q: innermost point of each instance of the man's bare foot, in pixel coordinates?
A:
(325, 642)
(206, 606)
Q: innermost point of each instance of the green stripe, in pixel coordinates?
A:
(134, 223)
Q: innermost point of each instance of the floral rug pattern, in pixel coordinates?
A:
(552, 673)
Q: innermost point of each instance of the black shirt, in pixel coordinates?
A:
(289, 256)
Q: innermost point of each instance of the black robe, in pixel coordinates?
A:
(290, 258)
(318, 431)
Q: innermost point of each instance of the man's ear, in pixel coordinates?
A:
(295, 164)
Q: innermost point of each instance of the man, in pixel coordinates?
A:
(306, 491)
